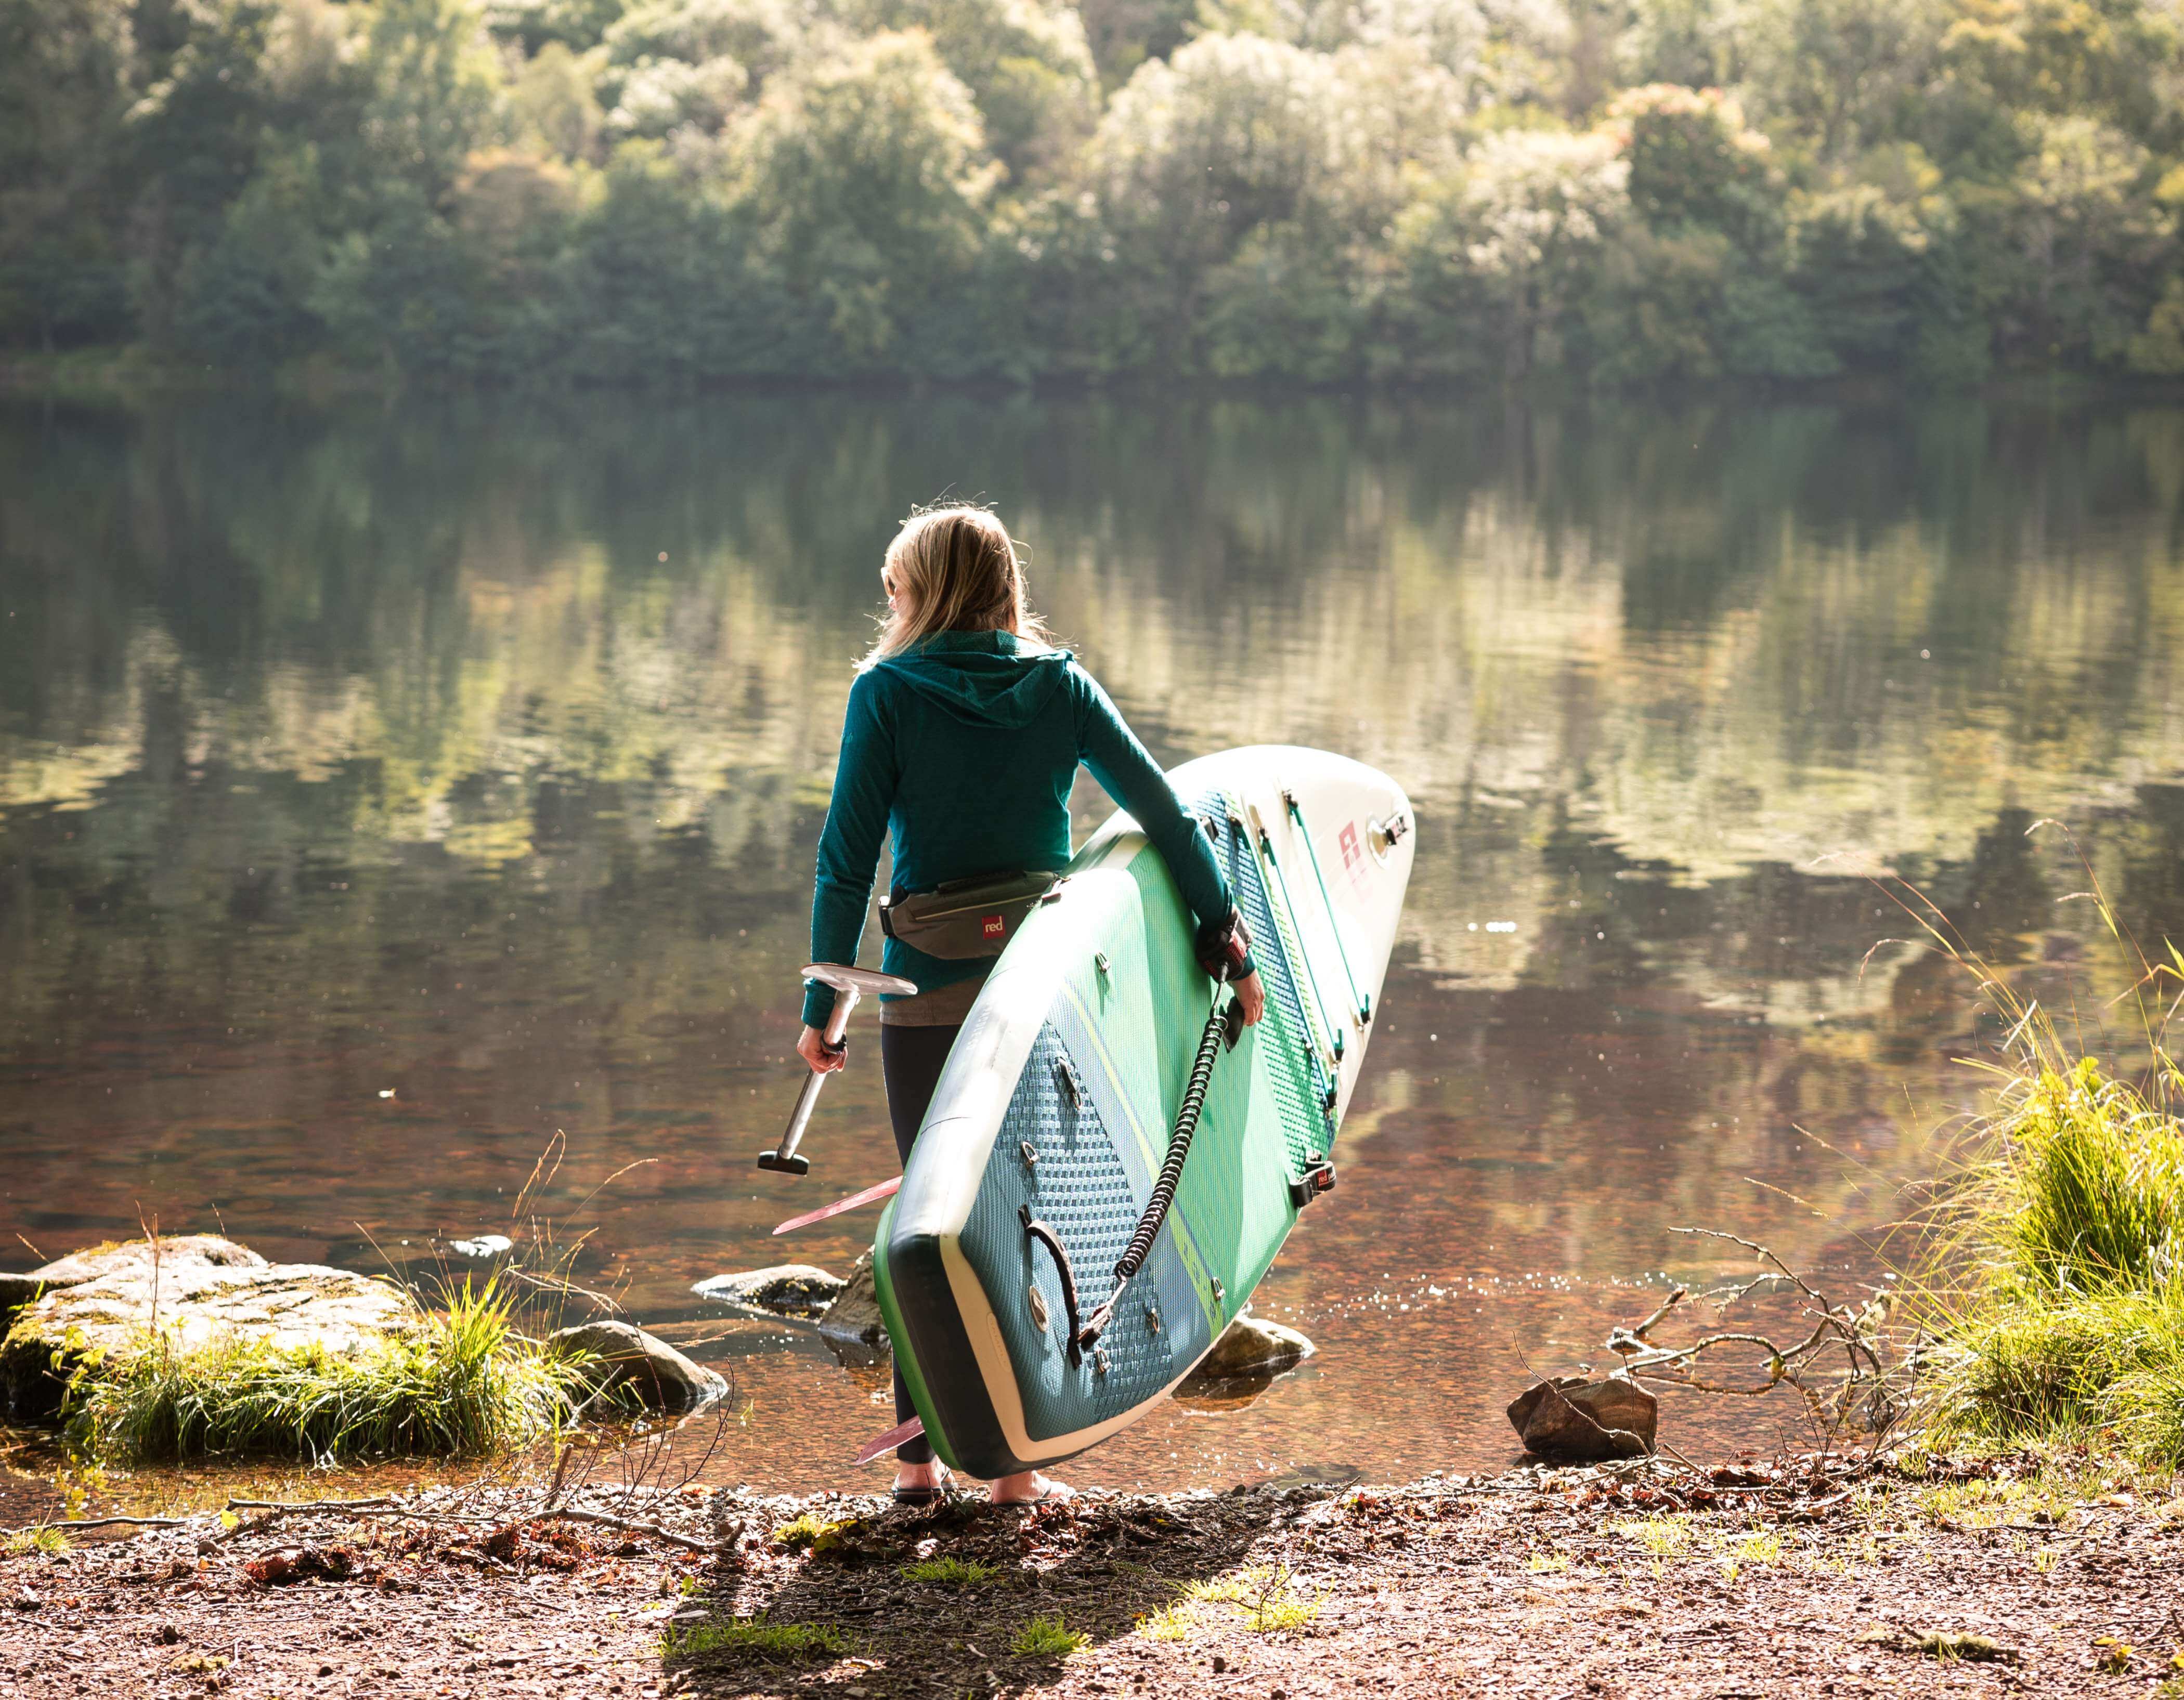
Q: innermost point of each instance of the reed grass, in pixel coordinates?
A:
(2057, 1289)
(461, 1383)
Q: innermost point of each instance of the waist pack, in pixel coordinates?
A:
(967, 918)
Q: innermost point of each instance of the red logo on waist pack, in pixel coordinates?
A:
(992, 924)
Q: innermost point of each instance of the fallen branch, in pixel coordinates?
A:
(98, 1522)
(389, 1507)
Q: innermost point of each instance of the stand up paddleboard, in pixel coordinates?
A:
(1051, 1121)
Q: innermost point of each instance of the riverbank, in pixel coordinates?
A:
(1926, 1577)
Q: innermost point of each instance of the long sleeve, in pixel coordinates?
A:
(865, 776)
(1127, 772)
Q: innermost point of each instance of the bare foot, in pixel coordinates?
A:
(920, 1477)
(1029, 1489)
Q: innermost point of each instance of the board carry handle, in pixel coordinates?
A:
(850, 985)
(1036, 1229)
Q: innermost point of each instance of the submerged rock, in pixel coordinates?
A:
(852, 1323)
(482, 1249)
(1249, 1348)
(195, 1289)
(659, 1374)
(789, 1289)
(1572, 1421)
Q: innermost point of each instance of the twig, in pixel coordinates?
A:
(99, 1522)
(382, 1502)
(653, 1530)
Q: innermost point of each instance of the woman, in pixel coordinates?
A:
(962, 738)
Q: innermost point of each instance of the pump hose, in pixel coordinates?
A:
(1171, 1175)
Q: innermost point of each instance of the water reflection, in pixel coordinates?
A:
(383, 792)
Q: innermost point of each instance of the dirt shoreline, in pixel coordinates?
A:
(1744, 1582)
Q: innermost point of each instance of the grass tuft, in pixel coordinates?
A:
(756, 1636)
(2078, 1321)
(951, 1573)
(1265, 1594)
(2058, 1294)
(21, 1542)
(1048, 1638)
(1171, 1622)
(463, 1384)
(1662, 1537)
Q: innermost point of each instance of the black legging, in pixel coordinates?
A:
(910, 1063)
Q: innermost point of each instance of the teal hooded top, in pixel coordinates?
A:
(964, 749)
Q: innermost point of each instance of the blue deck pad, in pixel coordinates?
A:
(1090, 1187)
(1300, 1079)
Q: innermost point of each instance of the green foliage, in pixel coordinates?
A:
(2080, 1319)
(460, 1385)
(21, 1542)
(951, 1572)
(679, 191)
(754, 1636)
(1048, 1638)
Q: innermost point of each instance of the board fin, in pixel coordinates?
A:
(901, 1435)
(871, 1195)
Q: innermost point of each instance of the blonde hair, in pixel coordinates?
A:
(953, 568)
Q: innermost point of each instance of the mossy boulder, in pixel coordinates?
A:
(851, 1325)
(194, 1290)
(785, 1288)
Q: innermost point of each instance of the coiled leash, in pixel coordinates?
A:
(1220, 955)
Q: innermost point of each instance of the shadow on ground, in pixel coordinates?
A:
(952, 1600)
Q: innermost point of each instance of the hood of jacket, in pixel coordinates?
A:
(982, 678)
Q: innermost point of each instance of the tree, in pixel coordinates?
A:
(1500, 255)
(63, 89)
(1026, 62)
(865, 175)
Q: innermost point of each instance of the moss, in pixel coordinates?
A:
(812, 1533)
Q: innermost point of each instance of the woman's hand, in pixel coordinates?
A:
(811, 1046)
(1252, 996)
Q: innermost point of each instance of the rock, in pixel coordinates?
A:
(852, 1322)
(1572, 1421)
(482, 1249)
(178, 1255)
(660, 1376)
(1249, 1347)
(200, 1288)
(789, 1289)
(17, 1291)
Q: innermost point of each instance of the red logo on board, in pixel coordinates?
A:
(1350, 852)
(992, 924)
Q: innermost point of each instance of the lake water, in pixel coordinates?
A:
(387, 793)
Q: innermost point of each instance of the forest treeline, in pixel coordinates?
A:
(1619, 190)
